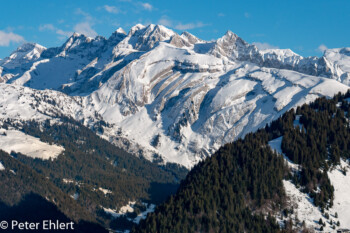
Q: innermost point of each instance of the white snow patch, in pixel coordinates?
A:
(306, 211)
(129, 208)
(341, 184)
(112, 212)
(2, 167)
(296, 122)
(75, 196)
(105, 191)
(275, 145)
(67, 181)
(19, 142)
(304, 208)
(143, 215)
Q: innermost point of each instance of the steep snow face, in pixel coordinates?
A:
(191, 38)
(143, 80)
(175, 96)
(191, 104)
(2, 168)
(339, 63)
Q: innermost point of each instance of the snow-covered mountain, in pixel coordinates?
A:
(167, 95)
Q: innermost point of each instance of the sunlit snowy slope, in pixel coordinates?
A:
(168, 97)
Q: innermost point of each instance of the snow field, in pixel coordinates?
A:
(304, 209)
(13, 140)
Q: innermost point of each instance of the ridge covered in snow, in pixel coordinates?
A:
(174, 97)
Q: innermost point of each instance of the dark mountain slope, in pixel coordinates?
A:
(220, 193)
(240, 187)
(31, 203)
(92, 170)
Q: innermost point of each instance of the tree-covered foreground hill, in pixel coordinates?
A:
(240, 187)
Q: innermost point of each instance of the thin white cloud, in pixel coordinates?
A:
(83, 13)
(64, 33)
(111, 9)
(189, 26)
(9, 37)
(247, 15)
(85, 28)
(147, 6)
(165, 22)
(221, 15)
(322, 48)
(45, 27)
(263, 46)
(51, 27)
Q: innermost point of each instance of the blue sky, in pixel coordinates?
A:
(307, 27)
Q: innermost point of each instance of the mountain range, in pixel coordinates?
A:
(73, 117)
(167, 97)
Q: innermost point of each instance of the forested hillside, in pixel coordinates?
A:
(90, 175)
(240, 187)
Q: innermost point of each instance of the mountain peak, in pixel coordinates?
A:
(232, 39)
(25, 53)
(136, 28)
(75, 34)
(146, 37)
(74, 40)
(231, 46)
(179, 41)
(117, 36)
(189, 37)
(231, 35)
(120, 31)
(26, 47)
